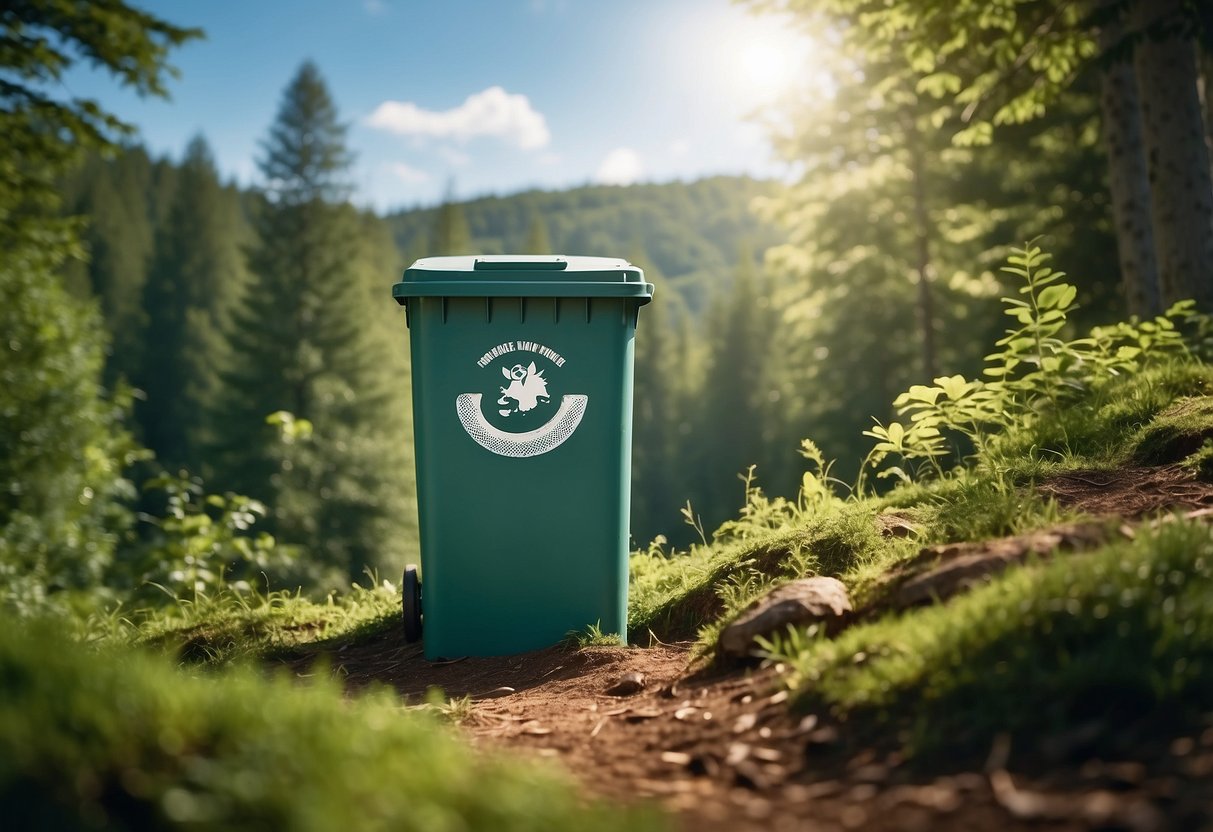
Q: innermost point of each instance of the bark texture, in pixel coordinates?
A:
(1128, 176)
(1181, 191)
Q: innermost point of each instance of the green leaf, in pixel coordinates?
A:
(1060, 296)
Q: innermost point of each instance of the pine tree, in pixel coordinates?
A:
(450, 234)
(660, 482)
(112, 194)
(196, 277)
(732, 427)
(537, 239)
(301, 343)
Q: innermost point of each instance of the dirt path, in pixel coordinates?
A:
(723, 751)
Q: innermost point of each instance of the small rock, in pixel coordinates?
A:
(675, 758)
(806, 601)
(894, 525)
(629, 684)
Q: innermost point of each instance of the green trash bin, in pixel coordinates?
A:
(522, 411)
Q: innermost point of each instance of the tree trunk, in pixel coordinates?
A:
(1181, 191)
(922, 243)
(1128, 177)
(1206, 95)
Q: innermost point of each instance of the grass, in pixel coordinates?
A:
(1109, 636)
(1101, 430)
(592, 636)
(1175, 434)
(115, 739)
(227, 626)
(696, 593)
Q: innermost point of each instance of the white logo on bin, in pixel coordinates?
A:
(522, 400)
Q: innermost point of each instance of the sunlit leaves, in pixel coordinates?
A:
(1034, 367)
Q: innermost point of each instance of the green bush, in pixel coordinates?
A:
(63, 448)
(119, 740)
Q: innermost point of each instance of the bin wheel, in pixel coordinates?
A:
(411, 603)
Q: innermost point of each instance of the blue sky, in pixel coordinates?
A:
(494, 97)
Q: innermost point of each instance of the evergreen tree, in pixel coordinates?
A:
(659, 409)
(196, 277)
(537, 240)
(301, 344)
(112, 195)
(734, 399)
(450, 234)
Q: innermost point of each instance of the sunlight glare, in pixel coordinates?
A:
(768, 61)
(764, 67)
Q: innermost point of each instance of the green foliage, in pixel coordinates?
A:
(1110, 635)
(63, 447)
(196, 277)
(1033, 376)
(111, 196)
(450, 234)
(205, 542)
(689, 233)
(310, 339)
(104, 740)
(43, 132)
(593, 636)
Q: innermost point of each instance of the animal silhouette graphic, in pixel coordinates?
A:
(528, 388)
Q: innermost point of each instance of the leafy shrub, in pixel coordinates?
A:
(63, 449)
(205, 542)
(1032, 376)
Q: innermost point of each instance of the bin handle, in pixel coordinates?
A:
(552, 264)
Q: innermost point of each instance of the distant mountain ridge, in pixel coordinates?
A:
(692, 234)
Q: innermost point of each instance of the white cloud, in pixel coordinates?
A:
(408, 173)
(492, 112)
(620, 167)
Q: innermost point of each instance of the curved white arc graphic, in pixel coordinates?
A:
(520, 445)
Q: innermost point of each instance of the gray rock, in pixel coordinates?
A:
(806, 601)
(629, 684)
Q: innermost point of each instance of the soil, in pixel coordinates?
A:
(1130, 492)
(722, 750)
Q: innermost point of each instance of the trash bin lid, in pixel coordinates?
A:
(523, 276)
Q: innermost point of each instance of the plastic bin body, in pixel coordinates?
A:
(522, 404)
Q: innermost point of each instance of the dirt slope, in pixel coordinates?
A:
(723, 751)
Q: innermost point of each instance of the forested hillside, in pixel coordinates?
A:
(173, 251)
(689, 234)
